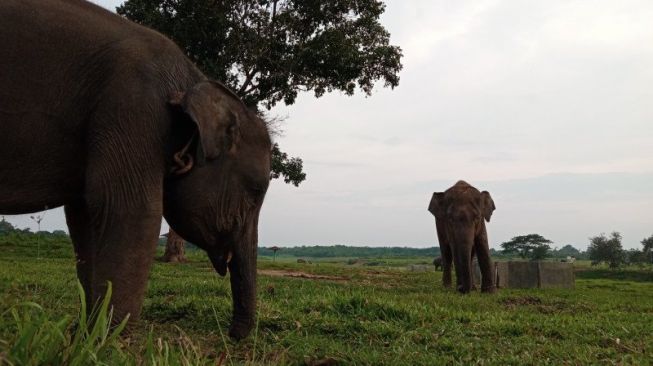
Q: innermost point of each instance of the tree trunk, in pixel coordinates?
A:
(174, 248)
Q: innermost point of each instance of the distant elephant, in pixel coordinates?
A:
(459, 213)
(437, 262)
(112, 121)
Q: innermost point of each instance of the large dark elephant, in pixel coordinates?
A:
(459, 213)
(112, 121)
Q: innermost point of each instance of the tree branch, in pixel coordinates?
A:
(249, 76)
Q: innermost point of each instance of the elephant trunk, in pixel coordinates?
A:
(464, 269)
(462, 253)
(242, 268)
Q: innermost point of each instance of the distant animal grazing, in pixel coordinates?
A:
(437, 262)
(301, 260)
(460, 214)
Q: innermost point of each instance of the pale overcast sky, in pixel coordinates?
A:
(546, 104)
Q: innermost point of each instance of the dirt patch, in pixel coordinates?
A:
(545, 308)
(524, 300)
(531, 301)
(297, 274)
(378, 274)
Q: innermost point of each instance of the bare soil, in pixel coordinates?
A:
(299, 274)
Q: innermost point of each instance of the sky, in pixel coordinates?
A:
(545, 104)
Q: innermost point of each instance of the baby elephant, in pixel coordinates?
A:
(437, 262)
(460, 214)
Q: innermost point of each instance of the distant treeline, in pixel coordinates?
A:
(58, 242)
(372, 252)
(350, 251)
(23, 242)
(564, 252)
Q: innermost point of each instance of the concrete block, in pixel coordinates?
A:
(556, 275)
(537, 274)
(418, 268)
(517, 274)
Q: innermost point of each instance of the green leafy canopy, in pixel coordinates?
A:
(533, 246)
(647, 244)
(604, 249)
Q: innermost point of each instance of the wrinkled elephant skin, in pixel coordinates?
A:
(112, 121)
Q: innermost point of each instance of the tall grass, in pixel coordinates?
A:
(40, 340)
(91, 339)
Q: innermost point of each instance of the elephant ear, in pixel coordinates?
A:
(436, 207)
(487, 205)
(214, 110)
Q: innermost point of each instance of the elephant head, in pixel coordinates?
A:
(461, 212)
(462, 202)
(219, 171)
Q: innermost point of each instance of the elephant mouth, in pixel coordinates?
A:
(220, 260)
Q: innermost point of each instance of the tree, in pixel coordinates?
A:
(289, 168)
(5, 226)
(174, 248)
(647, 244)
(635, 256)
(567, 251)
(533, 246)
(604, 249)
(540, 252)
(268, 51)
(274, 249)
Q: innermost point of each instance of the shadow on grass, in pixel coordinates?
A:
(618, 275)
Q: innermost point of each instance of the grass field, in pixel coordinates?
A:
(349, 314)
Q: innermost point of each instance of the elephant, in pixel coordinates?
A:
(112, 121)
(437, 262)
(459, 213)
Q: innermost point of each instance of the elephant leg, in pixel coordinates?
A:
(123, 201)
(473, 268)
(122, 255)
(485, 261)
(447, 261)
(124, 252)
(242, 268)
(445, 253)
(78, 225)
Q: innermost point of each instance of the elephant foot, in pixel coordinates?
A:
(240, 330)
(462, 289)
(489, 290)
